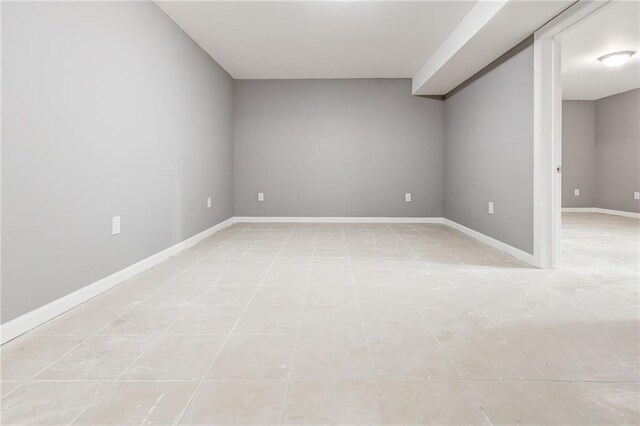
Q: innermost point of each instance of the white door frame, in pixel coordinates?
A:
(547, 133)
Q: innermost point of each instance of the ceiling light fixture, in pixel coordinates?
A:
(616, 59)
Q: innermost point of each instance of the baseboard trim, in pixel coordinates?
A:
(31, 320)
(305, 219)
(492, 242)
(602, 211)
(578, 210)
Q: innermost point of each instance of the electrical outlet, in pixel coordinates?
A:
(115, 225)
(209, 202)
(636, 195)
(576, 192)
(407, 197)
(490, 207)
(260, 196)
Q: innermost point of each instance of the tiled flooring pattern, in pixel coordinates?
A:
(347, 324)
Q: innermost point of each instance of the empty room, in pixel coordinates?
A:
(320, 212)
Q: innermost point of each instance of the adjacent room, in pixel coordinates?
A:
(601, 139)
(320, 212)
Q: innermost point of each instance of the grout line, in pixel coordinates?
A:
(183, 271)
(297, 338)
(366, 337)
(185, 310)
(253, 240)
(224, 342)
(96, 333)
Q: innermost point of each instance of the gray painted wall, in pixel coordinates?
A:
(578, 153)
(618, 151)
(107, 109)
(489, 153)
(336, 148)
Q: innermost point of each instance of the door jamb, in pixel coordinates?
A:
(547, 132)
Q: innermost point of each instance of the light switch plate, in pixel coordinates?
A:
(407, 197)
(115, 225)
(576, 192)
(209, 202)
(260, 196)
(636, 195)
(490, 207)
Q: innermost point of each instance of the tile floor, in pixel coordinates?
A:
(347, 324)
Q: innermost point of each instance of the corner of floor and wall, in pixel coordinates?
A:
(143, 125)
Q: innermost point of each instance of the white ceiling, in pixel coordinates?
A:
(318, 39)
(612, 28)
(490, 29)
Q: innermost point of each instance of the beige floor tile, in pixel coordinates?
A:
(500, 323)
(332, 357)
(368, 276)
(612, 403)
(243, 276)
(130, 293)
(175, 295)
(279, 295)
(236, 403)
(200, 320)
(488, 357)
(383, 294)
(26, 355)
(508, 403)
(175, 358)
(578, 359)
(254, 358)
(144, 320)
(456, 317)
(122, 403)
(333, 402)
(269, 320)
(291, 263)
(282, 277)
(429, 403)
(48, 403)
(226, 296)
(330, 319)
(84, 320)
(382, 318)
(254, 262)
(330, 295)
(331, 252)
(330, 276)
(409, 357)
(199, 277)
(97, 358)
(329, 262)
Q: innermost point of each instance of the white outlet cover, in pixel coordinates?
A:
(490, 207)
(576, 192)
(260, 196)
(636, 195)
(115, 225)
(209, 202)
(407, 197)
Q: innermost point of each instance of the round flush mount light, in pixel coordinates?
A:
(616, 59)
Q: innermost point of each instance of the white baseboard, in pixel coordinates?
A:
(578, 210)
(304, 219)
(30, 320)
(515, 252)
(599, 210)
